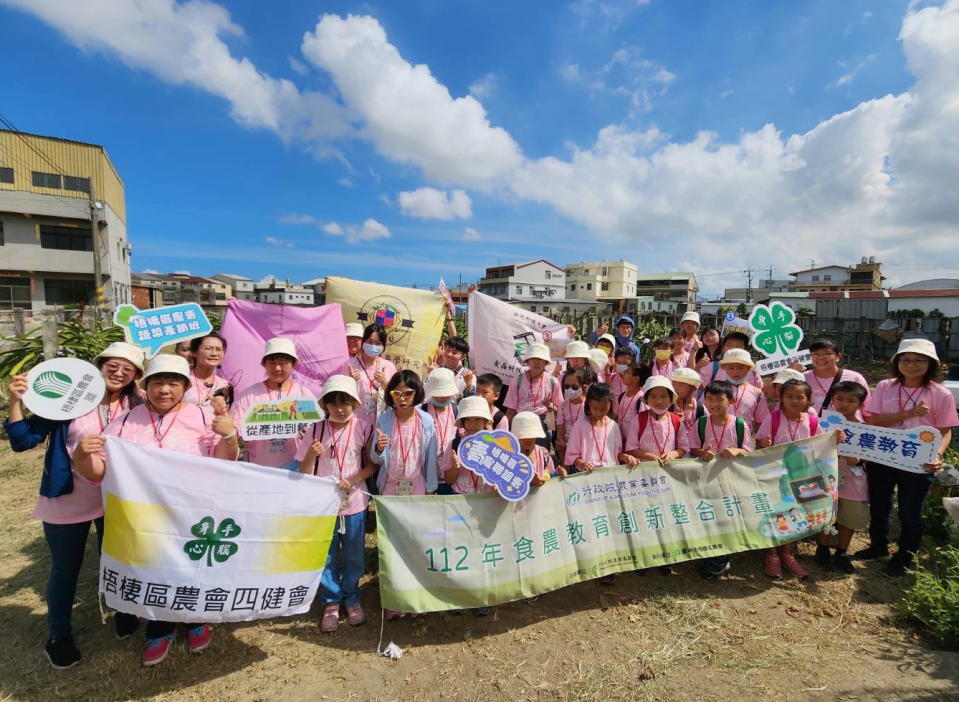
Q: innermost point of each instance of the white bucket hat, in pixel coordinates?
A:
(690, 317)
(659, 381)
(920, 346)
(609, 339)
(527, 425)
(686, 375)
(598, 360)
(354, 329)
(737, 356)
(280, 345)
(340, 383)
(167, 363)
(121, 349)
(577, 349)
(788, 374)
(473, 406)
(540, 351)
(441, 383)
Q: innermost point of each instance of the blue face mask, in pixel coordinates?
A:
(372, 349)
(442, 405)
(736, 382)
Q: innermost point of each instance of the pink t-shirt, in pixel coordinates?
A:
(820, 386)
(788, 431)
(188, 430)
(535, 396)
(503, 423)
(718, 438)
(542, 462)
(467, 482)
(366, 384)
(668, 369)
(405, 468)
(688, 411)
(625, 410)
(706, 375)
(616, 386)
(750, 404)
(596, 444)
(681, 359)
(853, 484)
(276, 453)
(890, 396)
(568, 413)
(199, 393)
(658, 435)
(445, 423)
(343, 457)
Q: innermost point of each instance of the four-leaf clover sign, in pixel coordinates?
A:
(775, 331)
(211, 542)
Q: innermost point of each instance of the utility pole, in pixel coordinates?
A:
(769, 280)
(95, 208)
(749, 285)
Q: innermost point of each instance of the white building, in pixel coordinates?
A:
(678, 287)
(602, 280)
(279, 292)
(243, 287)
(536, 279)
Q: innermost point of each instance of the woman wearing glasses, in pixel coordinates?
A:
(279, 360)
(68, 502)
(207, 353)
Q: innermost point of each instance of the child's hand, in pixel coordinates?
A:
(537, 481)
(345, 485)
(380, 377)
(355, 372)
(797, 366)
(562, 472)
(382, 441)
(706, 455)
(317, 448)
(602, 329)
(455, 461)
(17, 387)
(839, 436)
(731, 452)
(628, 460)
(852, 461)
(468, 377)
(933, 467)
(584, 466)
(91, 445)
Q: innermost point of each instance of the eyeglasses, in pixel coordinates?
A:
(405, 394)
(112, 368)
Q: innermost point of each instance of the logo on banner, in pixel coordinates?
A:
(389, 312)
(212, 543)
(52, 384)
(776, 331)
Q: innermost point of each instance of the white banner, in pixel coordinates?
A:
(499, 334)
(906, 449)
(774, 364)
(193, 539)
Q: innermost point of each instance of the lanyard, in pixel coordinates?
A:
(209, 389)
(106, 417)
(534, 397)
(661, 447)
(601, 451)
(572, 415)
(740, 393)
(369, 377)
(624, 404)
(340, 456)
(157, 436)
(824, 391)
(722, 433)
(269, 393)
(914, 397)
(405, 450)
(442, 428)
(789, 432)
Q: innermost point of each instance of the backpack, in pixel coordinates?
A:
(550, 379)
(740, 430)
(832, 391)
(497, 418)
(644, 422)
(776, 418)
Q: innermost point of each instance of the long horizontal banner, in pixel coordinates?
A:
(439, 553)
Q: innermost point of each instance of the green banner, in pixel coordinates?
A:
(439, 553)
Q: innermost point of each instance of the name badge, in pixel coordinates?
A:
(404, 488)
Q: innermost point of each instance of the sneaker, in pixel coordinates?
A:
(666, 570)
(482, 611)
(355, 614)
(62, 653)
(843, 563)
(824, 557)
(199, 637)
(331, 618)
(896, 568)
(707, 574)
(392, 614)
(772, 566)
(788, 559)
(125, 625)
(156, 650)
(870, 553)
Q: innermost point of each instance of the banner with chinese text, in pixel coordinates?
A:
(438, 553)
(195, 539)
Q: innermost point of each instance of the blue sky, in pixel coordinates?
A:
(680, 135)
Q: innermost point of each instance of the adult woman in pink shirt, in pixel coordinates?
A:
(69, 503)
(912, 397)
(165, 421)
(371, 372)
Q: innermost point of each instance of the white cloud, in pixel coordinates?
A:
(850, 75)
(182, 273)
(571, 72)
(408, 115)
(300, 68)
(296, 218)
(345, 182)
(430, 203)
(267, 279)
(150, 271)
(273, 241)
(370, 230)
(484, 87)
(471, 234)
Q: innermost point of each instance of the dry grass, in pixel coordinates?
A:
(644, 638)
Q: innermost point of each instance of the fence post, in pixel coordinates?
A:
(51, 342)
(18, 326)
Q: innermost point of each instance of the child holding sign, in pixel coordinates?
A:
(334, 449)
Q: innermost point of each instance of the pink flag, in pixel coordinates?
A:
(318, 332)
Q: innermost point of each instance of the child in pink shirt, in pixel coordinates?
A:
(624, 358)
(334, 448)
(663, 363)
(714, 371)
(678, 353)
(685, 382)
(657, 434)
(749, 401)
(629, 403)
(595, 440)
(371, 372)
(528, 429)
(574, 399)
(489, 386)
(534, 390)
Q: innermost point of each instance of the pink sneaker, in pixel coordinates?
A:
(772, 566)
(788, 556)
(156, 650)
(355, 614)
(392, 614)
(199, 637)
(331, 618)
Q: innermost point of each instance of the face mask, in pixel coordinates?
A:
(621, 367)
(663, 354)
(372, 349)
(736, 382)
(442, 405)
(572, 393)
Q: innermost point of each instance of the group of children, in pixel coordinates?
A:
(387, 431)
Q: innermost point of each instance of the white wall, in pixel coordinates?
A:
(949, 306)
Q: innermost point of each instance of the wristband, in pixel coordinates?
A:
(230, 435)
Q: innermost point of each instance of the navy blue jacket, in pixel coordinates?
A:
(28, 433)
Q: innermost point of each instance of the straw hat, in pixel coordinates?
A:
(279, 345)
(540, 351)
(690, 317)
(737, 356)
(121, 349)
(473, 406)
(527, 425)
(441, 383)
(686, 375)
(577, 349)
(167, 363)
(788, 374)
(659, 381)
(340, 383)
(354, 329)
(920, 346)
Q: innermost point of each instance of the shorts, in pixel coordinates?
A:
(853, 515)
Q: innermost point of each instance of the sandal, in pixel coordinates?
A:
(331, 618)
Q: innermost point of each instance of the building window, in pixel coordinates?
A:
(46, 180)
(827, 276)
(519, 289)
(14, 293)
(65, 238)
(6, 175)
(548, 273)
(589, 286)
(68, 291)
(605, 271)
(77, 184)
(605, 287)
(815, 279)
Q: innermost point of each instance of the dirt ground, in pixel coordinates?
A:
(644, 638)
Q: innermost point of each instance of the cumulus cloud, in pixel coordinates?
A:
(370, 230)
(430, 203)
(471, 234)
(484, 87)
